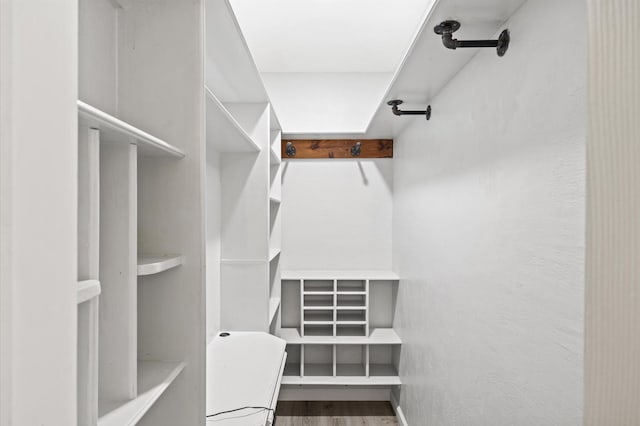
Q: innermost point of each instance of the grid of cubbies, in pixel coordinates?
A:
(334, 308)
(331, 336)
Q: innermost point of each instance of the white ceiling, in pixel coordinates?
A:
(329, 35)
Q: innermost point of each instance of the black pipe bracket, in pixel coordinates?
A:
(447, 28)
(397, 111)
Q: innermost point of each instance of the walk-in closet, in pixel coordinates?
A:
(319, 212)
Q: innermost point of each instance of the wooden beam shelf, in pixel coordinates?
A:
(338, 148)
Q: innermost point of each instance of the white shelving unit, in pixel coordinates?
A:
(338, 326)
(140, 167)
(243, 165)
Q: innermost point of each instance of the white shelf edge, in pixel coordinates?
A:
(87, 290)
(154, 264)
(274, 200)
(251, 144)
(342, 380)
(340, 275)
(273, 253)
(379, 336)
(105, 121)
(153, 380)
(274, 303)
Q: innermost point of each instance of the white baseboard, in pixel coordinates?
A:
(399, 414)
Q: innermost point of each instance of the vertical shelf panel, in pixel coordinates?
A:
(88, 203)
(118, 270)
(88, 269)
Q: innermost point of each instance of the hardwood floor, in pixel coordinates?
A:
(335, 413)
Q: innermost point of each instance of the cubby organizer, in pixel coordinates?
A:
(339, 328)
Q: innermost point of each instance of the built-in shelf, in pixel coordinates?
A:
(114, 130)
(87, 290)
(378, 336)
(154, 264)
(274, 200)
(274, 158)
(275, 147)
(153, 379)
(273, 253)
(340, 275)
(328, 380)
(224, 133)
(274, 304)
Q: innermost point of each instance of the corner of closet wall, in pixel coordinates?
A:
(488, 224)
(243, 138)
(141, 201)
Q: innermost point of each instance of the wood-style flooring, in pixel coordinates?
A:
(335, 413)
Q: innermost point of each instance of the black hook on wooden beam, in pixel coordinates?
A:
(447, 28)
(397, 111)
(291, 149)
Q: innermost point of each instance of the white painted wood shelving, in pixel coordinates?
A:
(114, 130)
(139, 170)
(338, 326)
(153, 380)
(243, 159)
(154, 264)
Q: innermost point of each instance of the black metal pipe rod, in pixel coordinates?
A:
(410, 113)
(477, 43)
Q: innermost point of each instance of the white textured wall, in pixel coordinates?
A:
(489, 217)
(325, 102)
(612, 317)
(336, 214)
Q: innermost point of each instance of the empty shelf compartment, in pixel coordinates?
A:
(318, 286)
(351, 360)
(318, 330)
(383, 360)
(357, 300)
(318, 360)
(317, 300)
(318, 316)
(352, 285)
(294, 357)
(351, 315)
(351, 330)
